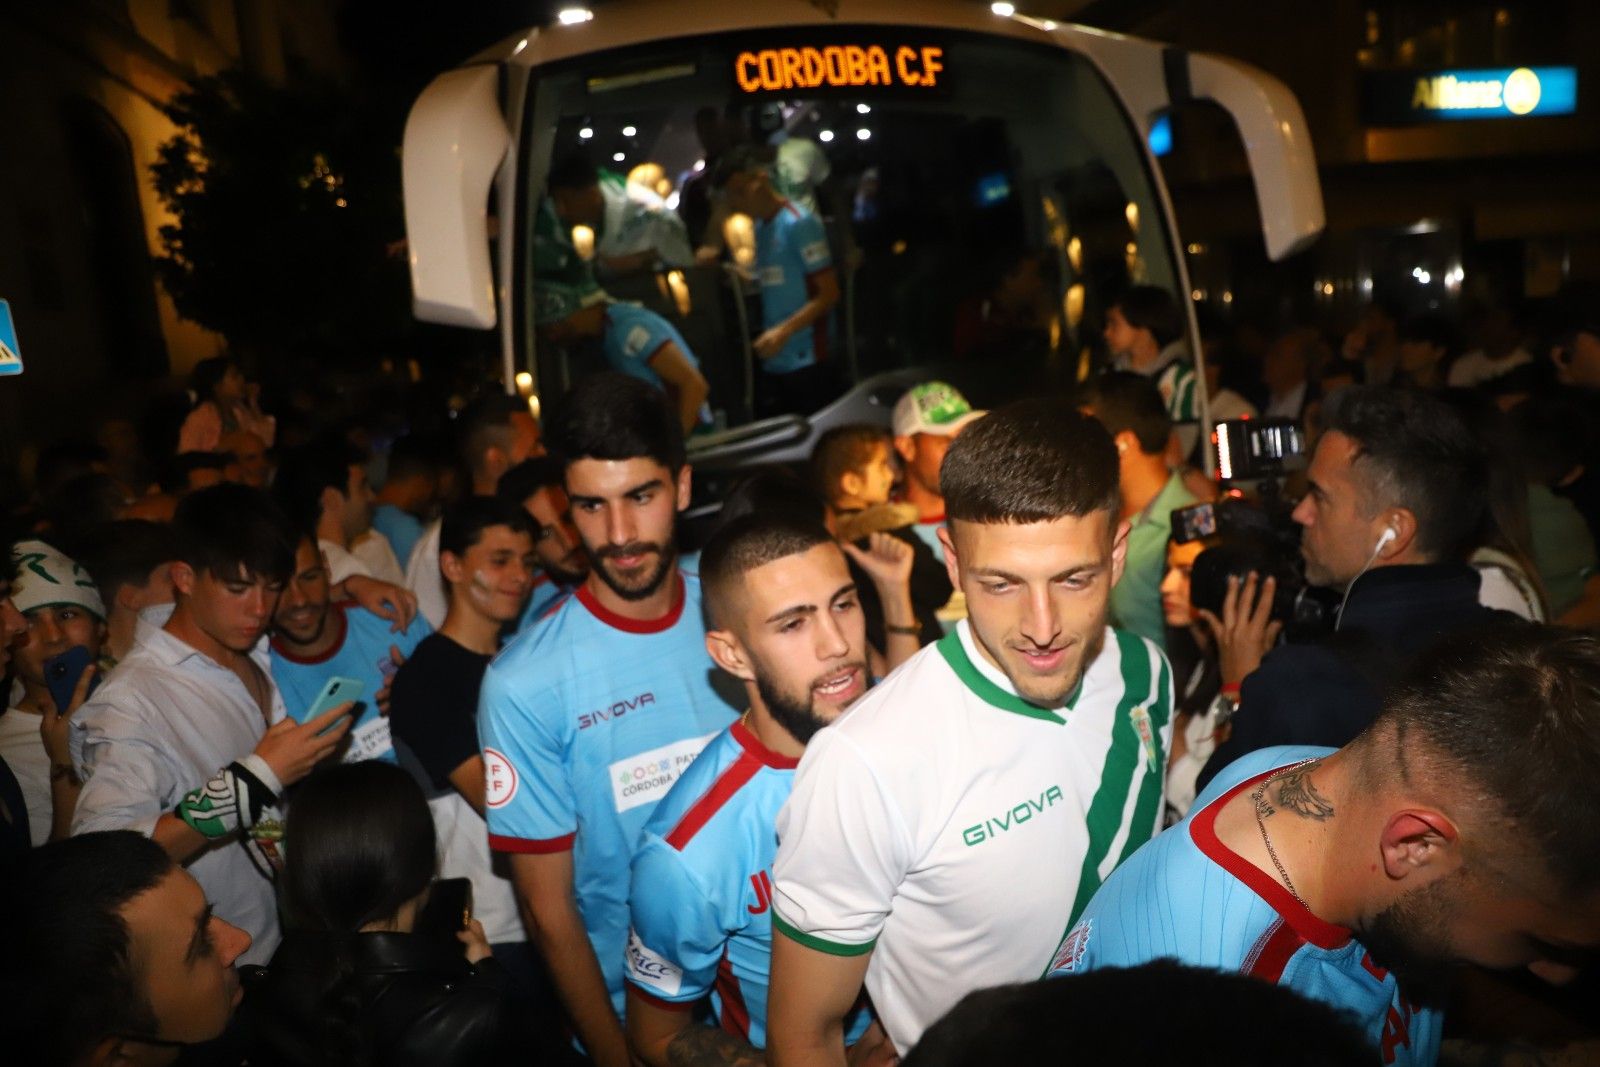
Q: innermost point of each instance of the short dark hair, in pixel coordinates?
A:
(1031, 461)
(359, 842)
(412, 456)
(207, 375)
(771, 491)
(485, 423)
(614, 416)
(738, 160)
(750, 541)
(844, 450)
(1105, 1014)
(1123, 400)
(81, 505)
(1415, 451)
(1511, 714)
(306, 471)
(528, 477)
(67, 976)
(575, 170)
(124, 552)
(464, 523)
(1150, 307)
(231, 529)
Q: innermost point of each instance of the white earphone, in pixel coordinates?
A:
(1389, 534)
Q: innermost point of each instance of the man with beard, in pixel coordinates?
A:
(974, 800)
(1459, 828)
(316, 637)
(787, 622)
(538, 486)
(588, 717)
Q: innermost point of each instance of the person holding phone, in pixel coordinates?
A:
(368, 972)
(56, 666)
(188, 740)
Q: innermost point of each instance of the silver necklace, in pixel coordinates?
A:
(1258, 799)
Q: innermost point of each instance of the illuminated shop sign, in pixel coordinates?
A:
(839, 66)
(1400, 98)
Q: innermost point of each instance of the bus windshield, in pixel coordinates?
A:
(953, 202)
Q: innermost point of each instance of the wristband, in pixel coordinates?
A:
(231, 800)
(1230, 689)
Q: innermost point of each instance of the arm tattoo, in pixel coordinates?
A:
(1298, 796)
(701, 1046)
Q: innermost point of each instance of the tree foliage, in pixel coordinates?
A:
(288, 211)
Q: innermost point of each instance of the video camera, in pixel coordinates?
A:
(1251, 528)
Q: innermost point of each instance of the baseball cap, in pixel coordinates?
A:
(554, 301)
(46, 577)
(933, 407)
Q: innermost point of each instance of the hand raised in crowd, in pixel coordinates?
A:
(293, 749)
(1246, 632)
(392, 602)
(476, 941)
(886, 559)
(55, 724)
(381, 698)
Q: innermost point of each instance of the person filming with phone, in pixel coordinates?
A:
(381, 964)
(56, 664)
(188, 741)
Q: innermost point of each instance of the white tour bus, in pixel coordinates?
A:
(984, 181)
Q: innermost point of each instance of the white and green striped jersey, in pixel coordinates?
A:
(1177, 383)
(955, 830)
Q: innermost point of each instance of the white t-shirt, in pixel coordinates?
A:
(1475, 368)
(23, 750)
(956, 831)
(424, 578)
(377, 554)
(464, 853)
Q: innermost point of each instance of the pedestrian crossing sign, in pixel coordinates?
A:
(10, 351)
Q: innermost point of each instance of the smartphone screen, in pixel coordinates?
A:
(62, 674)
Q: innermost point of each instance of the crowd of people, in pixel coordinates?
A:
(987, 736)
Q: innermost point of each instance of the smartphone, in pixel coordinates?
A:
(449, 907)
(62, 674)
(336, 692)
(1193, 522)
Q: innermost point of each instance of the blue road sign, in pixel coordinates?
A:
(10, 351)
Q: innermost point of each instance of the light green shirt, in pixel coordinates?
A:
(1136, 599)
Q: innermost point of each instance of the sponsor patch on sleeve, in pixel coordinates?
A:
(814, 254)
(634, 343)
(1070, 955)
(499, 779)
(651, 970)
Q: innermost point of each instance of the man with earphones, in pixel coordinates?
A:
(1396, 497)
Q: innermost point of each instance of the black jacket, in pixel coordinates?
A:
(396, 1000)
(1326, 693)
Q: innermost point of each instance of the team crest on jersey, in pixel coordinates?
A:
(772, 275)
(1073, 946)
(499, 779)
(1140, 717)
(650, 969)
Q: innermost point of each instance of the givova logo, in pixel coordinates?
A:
(989, 829)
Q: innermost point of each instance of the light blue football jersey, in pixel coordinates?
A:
(1187, 896)
(791, 249)
(586, 720)
(541, 599)
(701, 897)
(363, 655)
(633, 335)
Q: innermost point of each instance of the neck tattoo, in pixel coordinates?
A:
(1298, 796)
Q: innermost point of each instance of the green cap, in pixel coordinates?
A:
(932, 407)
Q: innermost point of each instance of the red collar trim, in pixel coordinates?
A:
(788, 205)
(1203, 830)
(933, 520)
(752, 744)
(282, 648)
(635, 626)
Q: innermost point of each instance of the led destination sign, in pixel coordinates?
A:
(839, 66)
(1400, 98)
